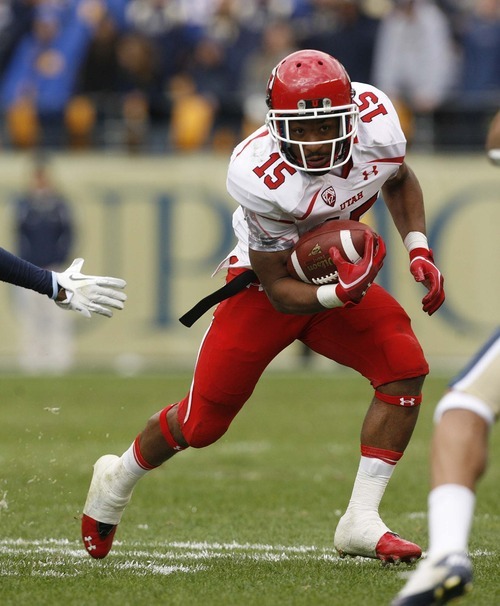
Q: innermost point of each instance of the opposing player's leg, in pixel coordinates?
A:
(437, 581)
(376, 339)
(459, 453)
(245, 335)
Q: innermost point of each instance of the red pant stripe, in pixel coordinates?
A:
(388, 456)
(141, 461)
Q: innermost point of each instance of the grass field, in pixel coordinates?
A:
(248, 521)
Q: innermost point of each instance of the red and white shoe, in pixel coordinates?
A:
(392, 549)
(97, 537)
(367, 536)
(103, 508)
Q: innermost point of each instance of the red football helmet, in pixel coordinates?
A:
(308, 85)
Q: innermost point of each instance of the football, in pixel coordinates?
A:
(310, 261)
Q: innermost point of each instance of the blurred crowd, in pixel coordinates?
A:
(182, 75)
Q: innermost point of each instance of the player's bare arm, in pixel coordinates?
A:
(287, 295)
(404, 198)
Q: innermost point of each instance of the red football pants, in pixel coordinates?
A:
(374, 337)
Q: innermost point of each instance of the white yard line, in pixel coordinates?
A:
(62, 558)
(52, 557)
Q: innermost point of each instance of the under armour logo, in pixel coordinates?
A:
(88, 540)
(367, 173)
(407, 401)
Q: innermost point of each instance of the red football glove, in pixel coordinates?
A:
(424, 270)
(355, 278)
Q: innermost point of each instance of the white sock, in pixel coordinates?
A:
(130, 462)
(127, 473)
(451, 509)
(370, 484)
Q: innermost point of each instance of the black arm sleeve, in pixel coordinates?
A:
(21, 273)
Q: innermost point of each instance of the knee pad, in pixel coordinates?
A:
(205, 423)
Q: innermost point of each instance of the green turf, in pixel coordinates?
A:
(248, 521)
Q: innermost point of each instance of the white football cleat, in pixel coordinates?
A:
(367, 536)
(437, 581)
(103, 508)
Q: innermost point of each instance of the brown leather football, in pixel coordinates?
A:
(310, 261)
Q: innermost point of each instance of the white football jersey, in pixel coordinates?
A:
(278, 203)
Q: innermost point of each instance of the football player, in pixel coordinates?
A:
(70, 289)
(327, 150)
(493, 140)
(459, 454)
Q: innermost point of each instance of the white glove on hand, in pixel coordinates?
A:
(87, 294)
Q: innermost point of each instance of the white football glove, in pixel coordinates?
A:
(86, 294)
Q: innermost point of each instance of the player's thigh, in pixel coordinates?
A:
(246, 334)
(374, 337)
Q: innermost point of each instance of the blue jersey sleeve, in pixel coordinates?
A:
(21, 273)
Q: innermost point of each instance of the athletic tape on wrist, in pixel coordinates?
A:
(327, 296)
(406, 401)
(415, 239)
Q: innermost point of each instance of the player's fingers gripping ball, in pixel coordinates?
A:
(347, 254)
(310, 260)
(355, 278)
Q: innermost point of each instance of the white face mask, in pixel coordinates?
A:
(278, 122)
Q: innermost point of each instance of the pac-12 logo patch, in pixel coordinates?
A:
(329, 196)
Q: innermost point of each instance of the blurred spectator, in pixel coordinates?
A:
(39, 81)
(156, 73)
(122, 75)
(481, 51)
(172, 33)
(415, 61)
(16, 18)
(44, 231)
(139, 86)
(343, 29)
(455, 11)
(210, 88)
(203, 97)
(278, 41)
(257, 14)
(96, 81)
